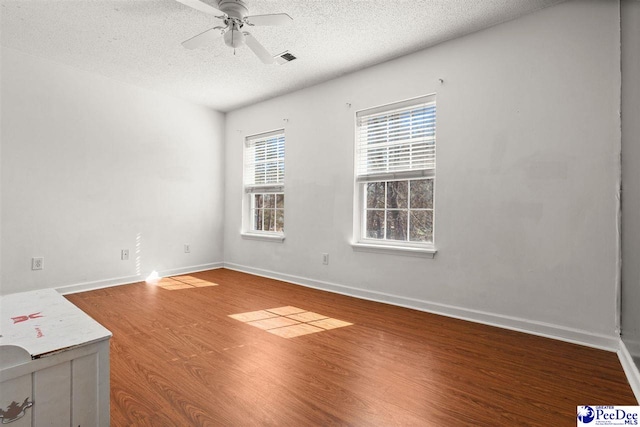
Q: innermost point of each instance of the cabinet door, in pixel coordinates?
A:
(12, 399)
(84, 371)
(52, 396)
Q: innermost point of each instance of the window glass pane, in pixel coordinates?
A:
(280, 220)
(280, 201)
(399, 158)
(281, 171)
(397, 192)
(396, 225)
(375, 195)
(422, 194)
(258, 201)
(269, 201)
(257, 220)
(375, 224)
(269, 220)
(272, 148)
(376, 159)
(421, 226)
(261, 171)
(398, 123)
(258, 153)
(271, 173)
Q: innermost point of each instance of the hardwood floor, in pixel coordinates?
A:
(178, 359)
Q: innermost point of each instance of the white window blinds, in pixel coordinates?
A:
(264, 162)
(397, 141)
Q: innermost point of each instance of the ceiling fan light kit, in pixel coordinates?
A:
(234, 16)
(234, 37)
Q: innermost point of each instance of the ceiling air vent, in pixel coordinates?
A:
(284, 57)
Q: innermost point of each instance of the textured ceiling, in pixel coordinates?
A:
(138, 41)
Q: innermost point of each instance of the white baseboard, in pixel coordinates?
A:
(190, 269)
(633, 346)
(630, 369)
(575, 336)
(127, 280)
(98, 284)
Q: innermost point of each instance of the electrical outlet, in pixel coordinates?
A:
(325, 259)
(124, 254)
(37, 263)
(187, 249)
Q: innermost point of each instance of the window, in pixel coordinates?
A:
(395, 172)
(267, 212)
(264, 183)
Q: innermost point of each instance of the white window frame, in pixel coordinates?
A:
(272, 182)
(366, 171)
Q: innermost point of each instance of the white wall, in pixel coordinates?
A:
(1, 121)
(91, 166)
(528, 168)
(630, 14)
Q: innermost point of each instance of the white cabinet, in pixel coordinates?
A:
(54, 363)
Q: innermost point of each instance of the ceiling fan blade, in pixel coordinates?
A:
(203, 38)
(258, 49)
(272, 19)
(203, 7)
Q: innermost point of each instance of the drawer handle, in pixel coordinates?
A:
(15, 411)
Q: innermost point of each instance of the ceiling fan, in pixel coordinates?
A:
(233, 14)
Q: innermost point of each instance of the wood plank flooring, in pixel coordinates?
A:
(178, 359)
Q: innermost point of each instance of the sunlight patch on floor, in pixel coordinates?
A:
(175, 283)
(289, 321)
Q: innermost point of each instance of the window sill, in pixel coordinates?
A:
(395, 250)
(279, 238)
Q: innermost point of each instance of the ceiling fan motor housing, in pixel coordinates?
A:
(236, 9)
